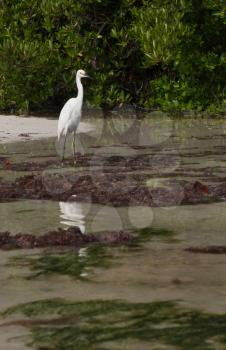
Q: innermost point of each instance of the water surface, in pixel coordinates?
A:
(130, 293)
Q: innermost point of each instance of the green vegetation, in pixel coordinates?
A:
(149, 232)
(81, 264)
(101, 324)
(77, 264)
(166, 54)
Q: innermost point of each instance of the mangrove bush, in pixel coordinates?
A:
(169, 54)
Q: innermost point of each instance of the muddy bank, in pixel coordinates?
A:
(71, 237)
(106, 162)
(162, 165)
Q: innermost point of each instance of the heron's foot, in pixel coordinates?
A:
(62, 162)
(76, 158)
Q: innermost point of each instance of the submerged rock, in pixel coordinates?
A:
(114, 188)
(70, 237)
(116, 180)
(214, 249)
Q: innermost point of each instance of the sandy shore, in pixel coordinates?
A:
(15, 128)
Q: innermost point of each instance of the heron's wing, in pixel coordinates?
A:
(65, 116)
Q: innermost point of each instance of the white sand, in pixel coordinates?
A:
(15, 128)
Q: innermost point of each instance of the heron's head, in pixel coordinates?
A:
(81, 73)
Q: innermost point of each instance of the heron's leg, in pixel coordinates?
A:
(75, 158)
(65, 138)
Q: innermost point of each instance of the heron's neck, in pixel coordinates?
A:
(80, 89)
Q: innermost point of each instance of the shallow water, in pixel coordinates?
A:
(133, 285)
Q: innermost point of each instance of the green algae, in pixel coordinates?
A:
(77, 264)
(80, 264)
(99, 323)
(149, 232)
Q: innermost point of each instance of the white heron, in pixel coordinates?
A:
(71, 112)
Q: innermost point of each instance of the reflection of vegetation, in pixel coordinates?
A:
(76, 264)
(95, 324)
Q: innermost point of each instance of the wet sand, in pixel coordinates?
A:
(16, 128)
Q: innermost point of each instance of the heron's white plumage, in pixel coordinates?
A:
(69, 118)
(70, 114)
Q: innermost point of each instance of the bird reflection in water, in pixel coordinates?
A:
(73, 214)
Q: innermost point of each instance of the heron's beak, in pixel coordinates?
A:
(86, 76)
